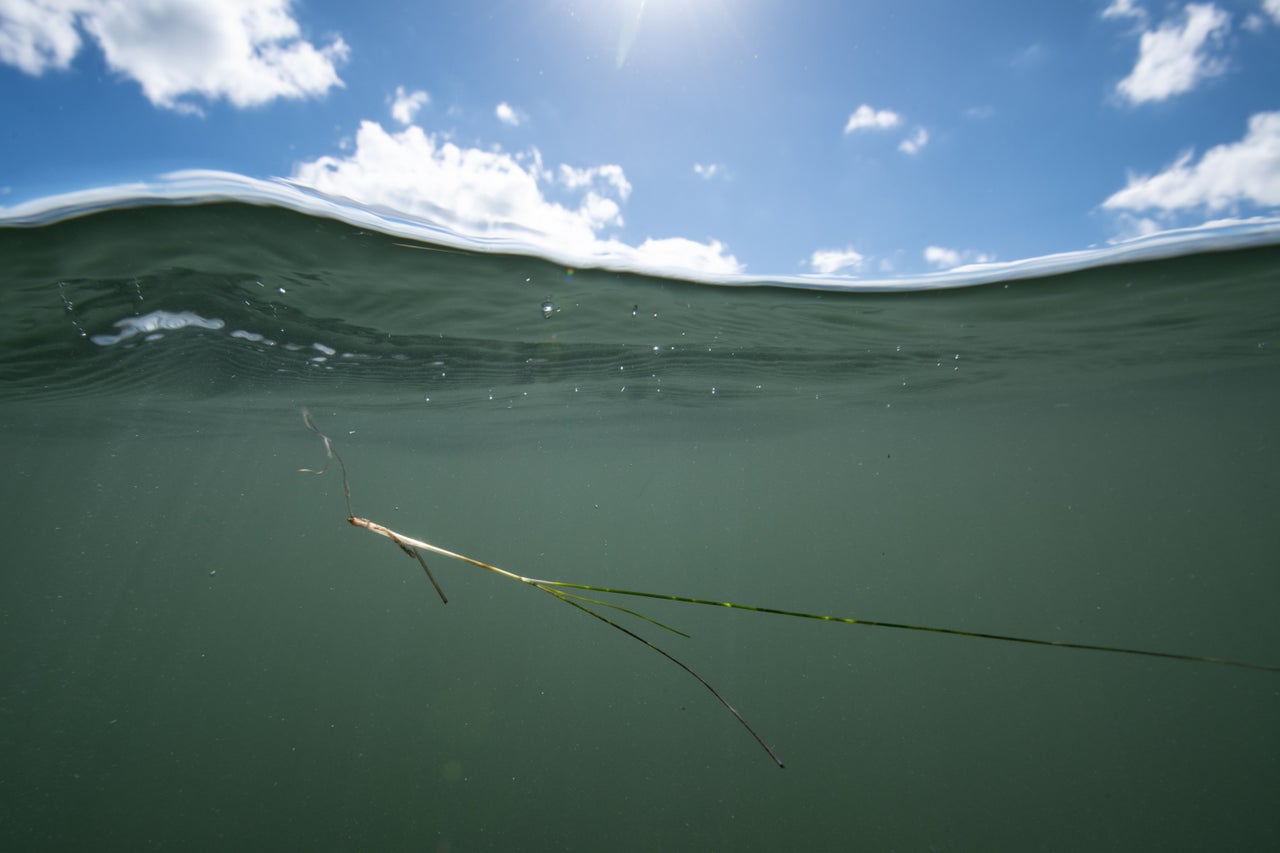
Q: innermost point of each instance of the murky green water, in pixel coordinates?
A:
(200, 653)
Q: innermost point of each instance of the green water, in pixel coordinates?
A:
(199, 652)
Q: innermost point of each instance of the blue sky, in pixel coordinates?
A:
(864, 139)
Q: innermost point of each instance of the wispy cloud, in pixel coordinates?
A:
(828, 261)
(1130, 227)
(1260, 21)
(1122, 9)
(248, 52)
(707, 171)
(944, 259)
(405, 105)
(866, 117)
(508, 115)
(490, 194)
(609, 177)
(1177, 56)
(915, 142)
(1247, 171)
(1029, 57)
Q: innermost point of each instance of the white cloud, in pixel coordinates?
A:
(596, 176)
(247, 52)
(940, 257)
(827, 261)
(474, 191)
(489, 194)
(405, 105)
(36, 36)
(916, 141)
(1258, 22)
(1125, 9)
(508, 115)
(944, 258)
(597, 211)
(681, 253)
(707, 171)
(1247, 171)
(1130, 227)
(867, 118)
(1177, 56)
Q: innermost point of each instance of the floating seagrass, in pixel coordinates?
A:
(411, 546)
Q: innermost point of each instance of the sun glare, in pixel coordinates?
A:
(662, 19)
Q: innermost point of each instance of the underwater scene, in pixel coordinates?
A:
(203, 653)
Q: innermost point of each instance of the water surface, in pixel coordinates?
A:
(200, 653)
